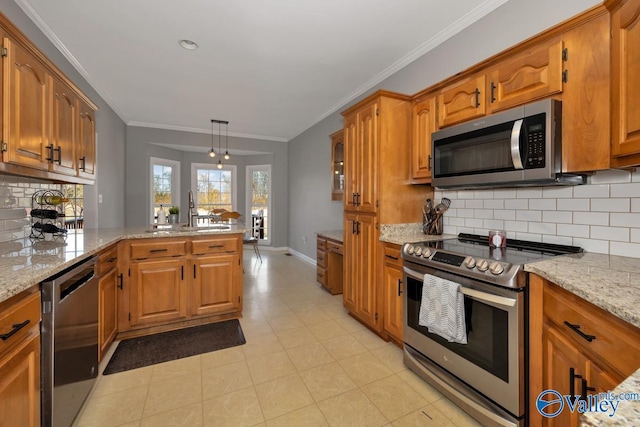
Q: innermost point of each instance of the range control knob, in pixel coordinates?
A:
(418, 251)
(426, 253)
(496, 268)
(469, 262)
(410, 249)
(482, 265)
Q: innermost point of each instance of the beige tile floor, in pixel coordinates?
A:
(305, 363)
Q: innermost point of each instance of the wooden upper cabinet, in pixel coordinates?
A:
(424, 123)
(532, 74)
(337, 165)
(65, 129)
(27, 93)
(350, 158)
(86, 153)
(625, 84)
(462, 101)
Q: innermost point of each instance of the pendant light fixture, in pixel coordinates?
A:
(219, 145)
(226, 140)
(212, 152)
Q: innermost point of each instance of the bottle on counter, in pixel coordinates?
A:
(162, 216)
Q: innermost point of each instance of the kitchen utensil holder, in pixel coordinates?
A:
(434, 226)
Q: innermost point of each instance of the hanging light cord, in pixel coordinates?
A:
(212, 152)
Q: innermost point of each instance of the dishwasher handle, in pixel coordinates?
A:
(67, 288)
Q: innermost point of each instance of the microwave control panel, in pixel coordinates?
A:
(535, 146)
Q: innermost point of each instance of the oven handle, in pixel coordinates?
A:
(479, 295)
(515, 144)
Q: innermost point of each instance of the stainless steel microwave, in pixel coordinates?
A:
(518, 147)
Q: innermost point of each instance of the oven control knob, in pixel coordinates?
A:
(469, 262)
(418, 251)
(482, 265)
(496, 268)
(426, 253)
(410, 249)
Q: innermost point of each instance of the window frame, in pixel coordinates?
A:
(175, 183)
(213, 166)
(249, 192)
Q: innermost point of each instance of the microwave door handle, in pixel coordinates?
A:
(515, 144)
(483, 296)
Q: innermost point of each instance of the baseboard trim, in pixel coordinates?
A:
(303, 257)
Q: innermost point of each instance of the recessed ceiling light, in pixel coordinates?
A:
(188, 44)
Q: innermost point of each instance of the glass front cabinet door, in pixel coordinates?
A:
(337, 165)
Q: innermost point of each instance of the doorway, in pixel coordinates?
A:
(259, 216)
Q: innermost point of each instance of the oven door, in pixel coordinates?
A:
(492, 362)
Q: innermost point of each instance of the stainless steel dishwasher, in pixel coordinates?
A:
(69, 362)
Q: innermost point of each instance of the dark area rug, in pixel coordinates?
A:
(163, 347)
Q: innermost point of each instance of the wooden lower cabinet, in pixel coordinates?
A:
(20, 361)
(213, 287)
(393, 292)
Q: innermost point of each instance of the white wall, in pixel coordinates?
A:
(602, 216)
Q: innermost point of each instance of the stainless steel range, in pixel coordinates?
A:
(487, 375)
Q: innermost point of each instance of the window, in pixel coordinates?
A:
(213, 188)
(74, 208)
(165, 185)
(259, 201)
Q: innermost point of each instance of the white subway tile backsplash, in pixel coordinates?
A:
(456, 221)
(610, 205)
(529, 216)
(591, 191)
(611, 176)
(543, 204)
(625, 220)
(529, 236)
(610, 233)
(516, 226)
(635, 205)
(493, 204)
(571, 230)
(591, 218)
(542, 228)
(557, 192)
(504, 193)
(493, 224)
(625, 190)
(465, 194)
(472, 222)
(464, 213)
(473, 204)
(483, 213)
(635, 235)
(557, 240)
(625, 249)
(521, 204)
(573, 205)
(508, 214)
(635, 176)
(483, 194)
(557, 217)
(529, 193)
(589, 245)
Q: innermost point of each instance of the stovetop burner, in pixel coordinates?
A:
(471, 256)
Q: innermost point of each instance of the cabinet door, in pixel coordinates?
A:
(350, 162)
(625, 84)
(20, 385)
(213, 286)
(337, 165)
(367, 158)
(27, 126)
(530, 75)
(158, 291)
(424, 124)
(107, 310)
(351, 262)
(65, 128)
(367, 298)
(560, 358)
(86, 141)
(462, 101)
(393, 289)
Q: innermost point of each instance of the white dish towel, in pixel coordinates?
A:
(442, 309)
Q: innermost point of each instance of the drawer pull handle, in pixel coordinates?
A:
(576, 329)
(158, 250)
(392, 257)
(15, 329)
(215, 246)
(112, 259)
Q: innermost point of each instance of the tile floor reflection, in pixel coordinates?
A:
(305, 363)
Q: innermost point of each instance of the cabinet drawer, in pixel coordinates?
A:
(141, 249)
(321, 276)
(107, 260)
(321, 259)
(392, 254)
(21, 317)
(615, 342)
(220, 245)
(322, 244)
(335, 247)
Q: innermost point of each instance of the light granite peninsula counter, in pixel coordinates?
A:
(613, 284)
(27, 262)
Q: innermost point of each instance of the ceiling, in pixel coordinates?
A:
(271, 68)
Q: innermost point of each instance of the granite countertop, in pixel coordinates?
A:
(407, 233)
(337, 235)
(613, 284)
(27, 262)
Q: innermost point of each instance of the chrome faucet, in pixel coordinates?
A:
(191, 212)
